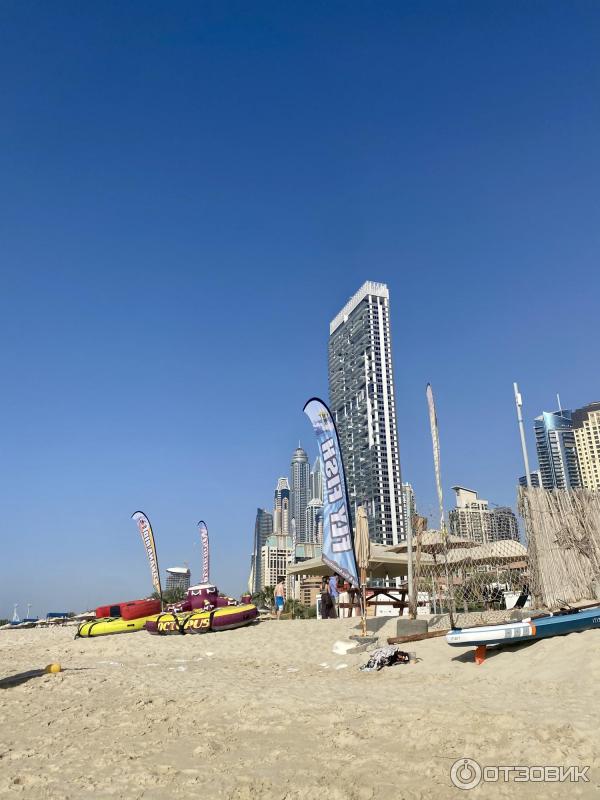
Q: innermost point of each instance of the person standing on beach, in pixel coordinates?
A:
(279, 597)
(327, 605)
(333, 591)
(344, 608)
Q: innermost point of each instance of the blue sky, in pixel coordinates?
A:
(189, 192)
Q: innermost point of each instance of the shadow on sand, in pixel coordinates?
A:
(23, 677)
(492, 652)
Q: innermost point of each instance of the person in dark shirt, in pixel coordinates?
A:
(327, 603)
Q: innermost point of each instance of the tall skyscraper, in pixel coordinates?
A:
(314, 521)
(361, 397)
(300, 491)
(263, 528)
(556, 450)
(586, 427)
(316, 480)
(281, 510)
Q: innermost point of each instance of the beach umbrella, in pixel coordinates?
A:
(362, 545)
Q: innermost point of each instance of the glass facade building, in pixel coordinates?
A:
(362, 401)
(535, 477)
(281, 508)
(300, 492)
(316, 480)
(556, 450)
(263, 529)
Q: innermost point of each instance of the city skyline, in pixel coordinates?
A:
(181, 225)
(276, 532)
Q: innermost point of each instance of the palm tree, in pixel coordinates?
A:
(266, 597)
(170, 596)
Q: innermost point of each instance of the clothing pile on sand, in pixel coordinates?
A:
(385, 657)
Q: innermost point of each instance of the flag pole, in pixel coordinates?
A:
(519, 404)
(409, 553)
(435, 439)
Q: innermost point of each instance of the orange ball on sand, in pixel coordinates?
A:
(53, 668)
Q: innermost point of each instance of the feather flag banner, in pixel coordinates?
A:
(203, 530)
(147, 535)
(338, 541)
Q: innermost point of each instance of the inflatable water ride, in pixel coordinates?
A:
(557, 623)
(109, 625)
(132, 609)
(202, 597)
(202, 621)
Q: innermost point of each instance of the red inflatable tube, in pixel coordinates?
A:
(132, 609)
(140, 608)
(113, 610)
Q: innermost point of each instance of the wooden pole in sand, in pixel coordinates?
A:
(417, 526)
(363, 587)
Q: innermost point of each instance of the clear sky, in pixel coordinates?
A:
(189, 193)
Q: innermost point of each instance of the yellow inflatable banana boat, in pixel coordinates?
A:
(107, 625)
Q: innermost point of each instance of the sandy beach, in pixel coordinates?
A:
(270, 712)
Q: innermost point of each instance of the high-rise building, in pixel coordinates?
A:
(281, 510)
(473, 519)
(556, 450)
(300, 491)
(408, 498)
(470, 518)
(316, 480)
(178, 578)
(275, 557)
(586, 427)
(263, 528)
(504, 524)
(361, 395)
(535, 477)
(314, 522)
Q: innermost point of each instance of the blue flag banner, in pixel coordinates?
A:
(338, 542)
